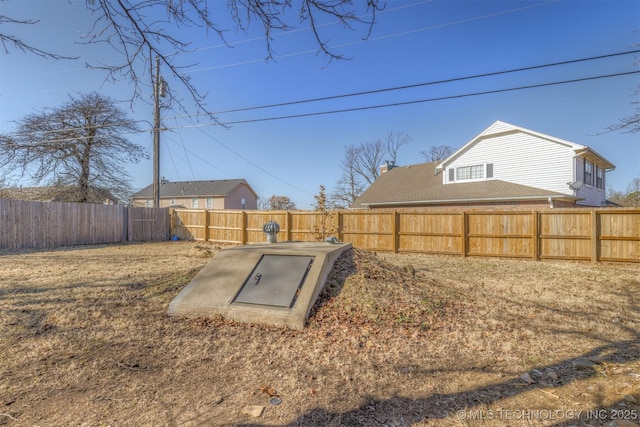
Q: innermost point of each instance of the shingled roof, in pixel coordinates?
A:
(221, 187)
(419, 185)
(58, 194)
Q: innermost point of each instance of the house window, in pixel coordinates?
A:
(173, 202)
(588, 172)
(209, 202)
(470, 172)
(194, 202)
(599, 178)
(149, 203)
(243, 203)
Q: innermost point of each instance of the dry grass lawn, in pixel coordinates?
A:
(394, 340)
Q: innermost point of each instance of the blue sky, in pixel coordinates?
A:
(412, 42)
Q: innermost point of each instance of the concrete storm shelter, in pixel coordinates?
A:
(270, 283)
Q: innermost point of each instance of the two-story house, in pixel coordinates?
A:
(503, 165)
(217, 194)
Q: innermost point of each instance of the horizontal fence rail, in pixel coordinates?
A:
(607, 234)
(26, 224)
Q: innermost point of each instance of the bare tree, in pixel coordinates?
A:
(629, 124)
(369, 156)
(630, 198)
(133, 29)
(361, 165)
(350, 186)
(325, 225)
(80, 144)
(279, 203)
(393, 142)
(437, 153)
(8, 40)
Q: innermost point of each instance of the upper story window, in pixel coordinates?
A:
(599, 178)
(243, 203)
(209, 202)
(473, 172)
(470, 172)
(173, 201)
(194, 202)
(149, 203)
(588, 172)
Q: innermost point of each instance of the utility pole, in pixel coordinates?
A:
(159, 90)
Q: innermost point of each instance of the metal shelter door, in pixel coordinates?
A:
(275, 280)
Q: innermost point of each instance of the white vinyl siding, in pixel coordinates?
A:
(530, 158)
(523, 159)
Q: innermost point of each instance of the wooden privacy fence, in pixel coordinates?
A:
(608, 234)
(26, 224)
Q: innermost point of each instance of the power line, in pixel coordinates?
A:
(185, 152)
(435, 82)
(368, 40)
(375, 91)
(396, 104)
(297, 30)
(243, 158)
(251, 61)
(247, 160)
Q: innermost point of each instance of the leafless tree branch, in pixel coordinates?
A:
(133, 29)
(8, 40)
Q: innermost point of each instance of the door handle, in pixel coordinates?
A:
(256, 279)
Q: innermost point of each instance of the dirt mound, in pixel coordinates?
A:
(365, 291)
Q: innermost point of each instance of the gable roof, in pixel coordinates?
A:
(499, 127)
(421, 184)
(221, 187)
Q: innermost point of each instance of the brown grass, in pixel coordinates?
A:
(393, 340)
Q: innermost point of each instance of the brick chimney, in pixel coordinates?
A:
(386, 167)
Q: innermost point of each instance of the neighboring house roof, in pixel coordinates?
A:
(421, 184)
(222, 187)
(500, 127)
(57, 194)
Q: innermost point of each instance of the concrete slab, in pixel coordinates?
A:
(215, 289)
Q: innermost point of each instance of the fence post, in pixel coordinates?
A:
(465, 242)
(130, 218)
(396, 236)
(287, 225)
(595, 236)
(340, 226)
(535, 239)
(206, 226)
(243, 237)
(125, 224)
(172, 224)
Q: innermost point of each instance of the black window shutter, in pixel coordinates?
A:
(489, 170)
(452, 176)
